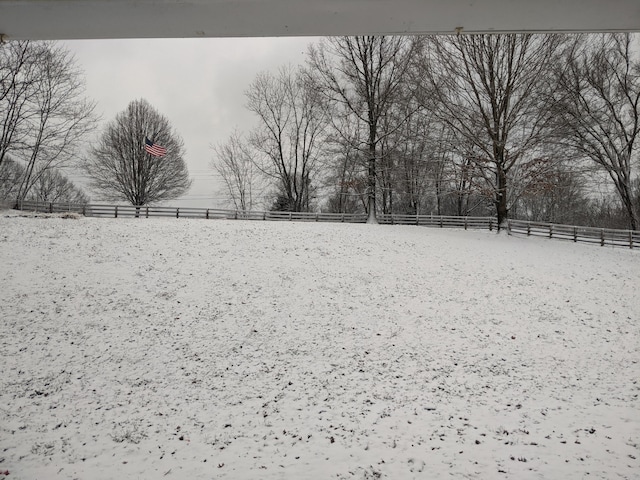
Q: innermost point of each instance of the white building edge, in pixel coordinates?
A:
(94, 19)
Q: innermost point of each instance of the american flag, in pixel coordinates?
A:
(153, 149)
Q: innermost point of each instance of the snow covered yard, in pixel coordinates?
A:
(192, 349)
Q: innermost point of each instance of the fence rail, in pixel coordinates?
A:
(131, 211)
(601, 236)
(483, 223)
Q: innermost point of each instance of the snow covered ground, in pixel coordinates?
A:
(193, 349)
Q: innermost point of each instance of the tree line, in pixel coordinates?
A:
(540, 127)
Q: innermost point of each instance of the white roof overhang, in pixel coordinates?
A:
(94, 19)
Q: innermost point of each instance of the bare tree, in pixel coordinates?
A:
(598, 109)
(52, 186)
(559, 197)
(403, 170)
(287, 141)
(463, 190)
(364, 74)
(235, 166)
(489, 90)
(10, 174)
(60, 117)
(345, 163)
(44, 114)
(121, 169)
(17, 64)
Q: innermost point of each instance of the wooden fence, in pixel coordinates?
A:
(130, 211)
(601, 236)
(481, 223)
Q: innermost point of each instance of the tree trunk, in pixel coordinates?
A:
(438, 197)
(372, 217)
(501, 197)
(627, 200)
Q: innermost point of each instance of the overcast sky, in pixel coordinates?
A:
(198, 84)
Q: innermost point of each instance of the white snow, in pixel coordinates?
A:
(194, 349)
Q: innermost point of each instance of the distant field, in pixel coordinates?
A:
(190, 349)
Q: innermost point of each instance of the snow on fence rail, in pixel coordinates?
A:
(602, 236)
(115, 211)
(131, 211)
(483, 223)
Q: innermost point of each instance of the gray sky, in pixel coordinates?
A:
(198, 84)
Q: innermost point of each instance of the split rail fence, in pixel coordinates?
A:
(601, 236)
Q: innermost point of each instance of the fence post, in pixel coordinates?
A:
(207, 214)
(602, 237)
(50, 207)
(316, 216)
(441, 226)
(177, 212)
(465, 223)
(491, 224)
(116, 212)
(528, 229)
(342, 218)
(630, 239)
(147, 212)
(550, 231)
(575, 234)
(84, 210)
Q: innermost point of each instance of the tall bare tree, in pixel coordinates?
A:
(60, 117)
(44, 114)
(18, 63)
(598, 109)
(121, 169)
(287, 140)
(234, 165)
(490, 90)
(364, 74)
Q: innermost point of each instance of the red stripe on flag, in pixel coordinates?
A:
(155, 150)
